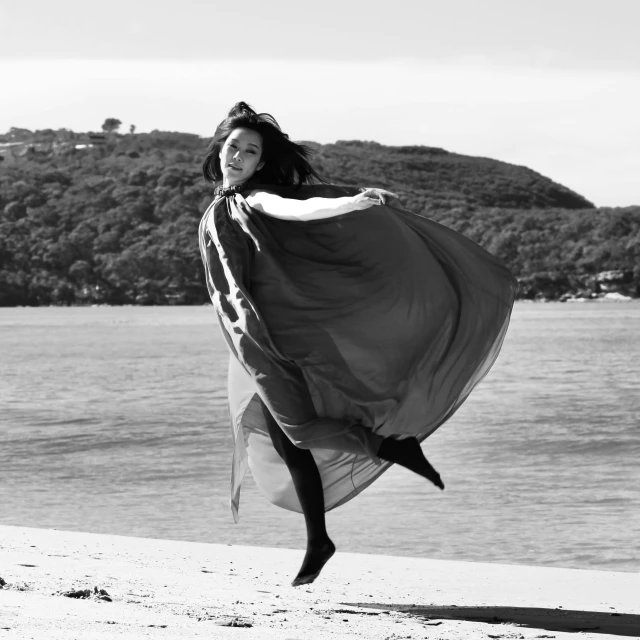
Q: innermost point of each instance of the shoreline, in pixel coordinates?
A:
(140, 587)
(606, 298)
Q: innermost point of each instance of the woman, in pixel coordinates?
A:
(355, 328)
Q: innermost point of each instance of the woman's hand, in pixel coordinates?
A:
(370, 197)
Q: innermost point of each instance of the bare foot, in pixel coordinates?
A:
(315, 558)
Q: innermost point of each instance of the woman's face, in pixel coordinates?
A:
(240, 156)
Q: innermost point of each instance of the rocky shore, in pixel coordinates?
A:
(617, 286)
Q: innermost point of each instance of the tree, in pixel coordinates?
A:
(111, 124)
(18, 133)
(132, 129)
(117, 225)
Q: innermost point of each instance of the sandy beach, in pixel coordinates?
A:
(120, 587)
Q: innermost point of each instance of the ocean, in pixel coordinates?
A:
(114, 420)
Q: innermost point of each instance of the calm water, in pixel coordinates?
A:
(114, 420)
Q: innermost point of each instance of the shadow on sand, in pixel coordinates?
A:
(613, 623)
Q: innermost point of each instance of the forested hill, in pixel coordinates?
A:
(113, 218)
(432, 177)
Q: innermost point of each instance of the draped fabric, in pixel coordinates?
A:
(350, 329)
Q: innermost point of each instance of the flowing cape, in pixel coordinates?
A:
(352, 328)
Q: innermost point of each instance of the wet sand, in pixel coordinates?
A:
(64, 585)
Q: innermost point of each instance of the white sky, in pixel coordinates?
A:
(551, 84)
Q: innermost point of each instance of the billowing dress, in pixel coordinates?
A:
(351, 328)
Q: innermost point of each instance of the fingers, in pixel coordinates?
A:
(387, 194)
(369, 197)
(381, 195)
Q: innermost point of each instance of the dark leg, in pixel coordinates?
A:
(308, 485)
(408, 453)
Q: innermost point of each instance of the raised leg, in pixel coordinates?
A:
(408, 453)
(308, 485)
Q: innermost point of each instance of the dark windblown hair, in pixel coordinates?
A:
(285, 162)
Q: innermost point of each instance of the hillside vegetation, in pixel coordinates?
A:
(117, 222)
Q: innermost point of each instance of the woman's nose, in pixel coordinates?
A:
(237, 156)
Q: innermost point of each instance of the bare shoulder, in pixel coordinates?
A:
(260, 196)
(266, 202)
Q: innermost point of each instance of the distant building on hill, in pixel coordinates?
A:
(97, 138)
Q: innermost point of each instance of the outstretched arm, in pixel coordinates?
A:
(314, 208)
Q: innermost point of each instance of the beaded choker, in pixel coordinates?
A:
(223, 192)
